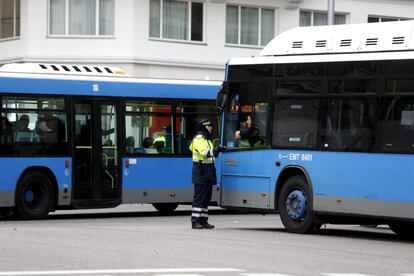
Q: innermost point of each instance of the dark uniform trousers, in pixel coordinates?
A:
(204, 177)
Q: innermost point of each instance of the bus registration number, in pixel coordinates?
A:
(301, 157)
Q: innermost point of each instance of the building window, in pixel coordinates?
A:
(375, 19)
(313, 18)
(249, 25)
(81, 17)
(9, 18)
(173, 19)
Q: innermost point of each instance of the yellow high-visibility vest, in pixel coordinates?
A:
(160, 138)
(202, 150)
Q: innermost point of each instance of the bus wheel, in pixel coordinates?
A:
(165, 208)
(405, 231)
(294, 206)
(34, 196)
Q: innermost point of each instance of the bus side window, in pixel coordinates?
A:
(395, 129)
(296, 123)
(348, 125)
(188, 114)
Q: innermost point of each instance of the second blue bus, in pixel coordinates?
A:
(90, 137)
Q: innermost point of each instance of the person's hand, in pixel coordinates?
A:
(217, 150)
(237, 134)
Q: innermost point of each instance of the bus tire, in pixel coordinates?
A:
(165, 208)
(35, 196)
(404, 231)
(295, 207)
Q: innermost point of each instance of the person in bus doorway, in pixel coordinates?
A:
(249, 136)
(203, 173)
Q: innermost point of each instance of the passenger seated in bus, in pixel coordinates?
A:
(148, 145)
(22, 124)
(6, 135)
(43, 132)
(22, 132)
(56, 126)
(130, 145)
(50, 129)
(249, 136)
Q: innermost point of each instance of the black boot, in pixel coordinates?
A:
(208, 225)
(197, 225)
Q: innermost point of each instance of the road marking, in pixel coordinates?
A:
(344, 274)
(262, 274)
(179, 274)
(118, 271)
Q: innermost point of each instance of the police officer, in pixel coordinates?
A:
(203, 174)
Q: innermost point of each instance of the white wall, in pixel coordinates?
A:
(64, 49)
(132, 49)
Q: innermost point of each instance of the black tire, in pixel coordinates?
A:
(35, 196)
(295, 206)
(165, 208)
(6, 212)
(404, 231)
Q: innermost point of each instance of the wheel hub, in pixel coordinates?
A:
(296, 205)
(28, 196)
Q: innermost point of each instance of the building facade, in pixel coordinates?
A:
(186, 39)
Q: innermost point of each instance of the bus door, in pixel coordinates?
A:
(247, 168)
(96, 158)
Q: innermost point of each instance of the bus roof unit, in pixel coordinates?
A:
(348, 38)
(63, 69)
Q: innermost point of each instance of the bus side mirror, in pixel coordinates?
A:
(221, 99)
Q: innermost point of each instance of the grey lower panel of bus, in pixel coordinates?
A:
(163, 195)
(7, 198)
(377, 208)
(324, 204)
(257, 200)
(64, 197)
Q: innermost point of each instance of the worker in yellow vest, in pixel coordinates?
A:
(203, 174)
(163, 141)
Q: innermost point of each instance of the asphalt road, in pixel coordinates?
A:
(136, 240)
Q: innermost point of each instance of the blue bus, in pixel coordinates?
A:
(320, 127)
(75, 136)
